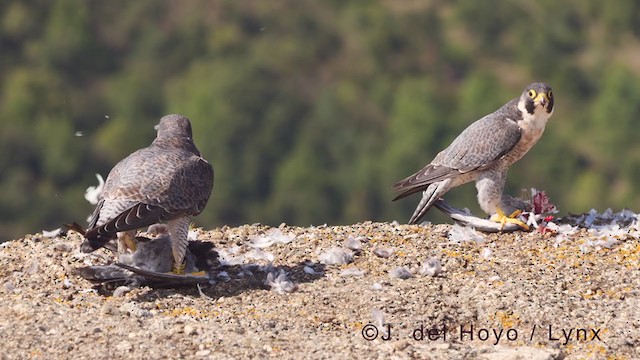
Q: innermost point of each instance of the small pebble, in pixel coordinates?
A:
(66, 283)
(190, 330)
(352, 271)
(62, 247)
(203, 353)
(124, 345)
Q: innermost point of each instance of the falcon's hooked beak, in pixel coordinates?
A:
(541, 99)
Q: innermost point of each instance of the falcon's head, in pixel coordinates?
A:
(537, 97)
(174, 126)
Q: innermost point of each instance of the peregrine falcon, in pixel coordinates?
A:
(167, 181)
(483, 153)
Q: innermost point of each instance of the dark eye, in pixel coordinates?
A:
(532, 93)
(550, 94)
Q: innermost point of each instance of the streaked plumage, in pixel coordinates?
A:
(166, 182)
(483, 153)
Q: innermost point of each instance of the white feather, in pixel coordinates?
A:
(93, 193)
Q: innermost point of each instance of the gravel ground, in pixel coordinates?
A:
(503, 296)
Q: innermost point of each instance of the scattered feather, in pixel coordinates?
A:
(377, 317)
(461, 234)
(383, 252)
(272, 236)
(226, 258)
(62, 247)
(121, 291)
(486, 253)
(309, 270)
(599, 244)
(609, 232)
(248, 269)
(93, 193)
(336, 256)
(563, 231)
(52, 233)
(9, 287)
(235, 250)
(352, 271)
(33, 267)
(279, 283)
(431, 267)
(590, 218)
(258, 254)
(401, 272)
(353, 244)
(192, 235)
(202, 294)
(376, 286)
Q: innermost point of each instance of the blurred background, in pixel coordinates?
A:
(310, 110)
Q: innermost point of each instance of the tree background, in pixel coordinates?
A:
(310, 110)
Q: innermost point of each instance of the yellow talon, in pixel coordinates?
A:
(178, 269)
(515, 214)
(129, 242)
(198, 273)
(503, 219)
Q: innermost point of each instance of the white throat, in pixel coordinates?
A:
(534, 122)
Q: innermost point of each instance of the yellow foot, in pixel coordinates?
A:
(503, 219)
(129, 242)
(179, 269)
(198, 273)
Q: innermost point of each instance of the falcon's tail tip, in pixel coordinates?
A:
(75, 227)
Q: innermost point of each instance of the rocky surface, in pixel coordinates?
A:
(342, 288)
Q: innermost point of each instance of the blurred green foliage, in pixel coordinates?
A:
(310, 110)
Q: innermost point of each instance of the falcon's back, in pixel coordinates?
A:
(176, 179)
(166, 180)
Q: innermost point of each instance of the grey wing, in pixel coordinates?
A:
(190, 188)
(479, 146)
(159, 178)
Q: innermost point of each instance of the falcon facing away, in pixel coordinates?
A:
(166, 182)
(483, 153)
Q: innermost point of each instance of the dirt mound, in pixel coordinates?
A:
(370, 290)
